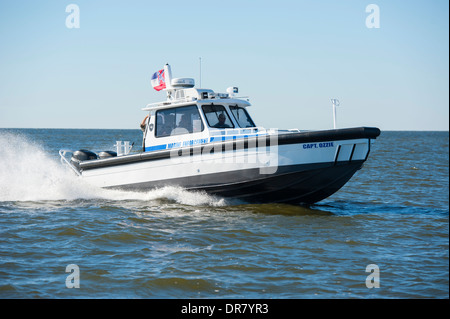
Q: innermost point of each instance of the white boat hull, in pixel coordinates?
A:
(284, 169)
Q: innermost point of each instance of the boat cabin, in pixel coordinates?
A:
(193, 116)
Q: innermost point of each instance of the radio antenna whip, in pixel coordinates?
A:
(335, 103)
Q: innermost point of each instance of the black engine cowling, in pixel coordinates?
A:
(107, 154)
(82, 155)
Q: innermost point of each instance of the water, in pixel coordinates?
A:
(171, 243)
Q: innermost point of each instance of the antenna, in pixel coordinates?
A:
(335, 103)
(168, 76)
(200, 61)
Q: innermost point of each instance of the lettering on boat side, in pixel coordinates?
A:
(318, 145)
(195, 142)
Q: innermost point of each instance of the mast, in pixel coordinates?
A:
(168, 79)
(168, 76)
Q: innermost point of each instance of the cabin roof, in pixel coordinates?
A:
(196, 96)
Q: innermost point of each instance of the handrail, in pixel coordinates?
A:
(62, 153)
(237, 131)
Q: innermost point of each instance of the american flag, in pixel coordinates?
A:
(158, 80)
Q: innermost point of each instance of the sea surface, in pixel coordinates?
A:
(385, 234)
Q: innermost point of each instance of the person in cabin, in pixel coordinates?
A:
(185, 123)
(221, 123)
(144, 124)
(169, 124)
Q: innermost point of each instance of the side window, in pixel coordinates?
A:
(217, 116)
(176, 121)
(241, 116)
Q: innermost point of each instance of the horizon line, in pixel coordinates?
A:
(138, 129)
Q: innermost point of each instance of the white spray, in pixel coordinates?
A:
(29, 173)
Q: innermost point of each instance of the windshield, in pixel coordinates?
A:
(176, 121)
(217, 116)
(241, 116)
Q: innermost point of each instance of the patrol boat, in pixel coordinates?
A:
(202, 140)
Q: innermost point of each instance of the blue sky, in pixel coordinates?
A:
(289, 57)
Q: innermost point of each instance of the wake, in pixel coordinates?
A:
(29, 173)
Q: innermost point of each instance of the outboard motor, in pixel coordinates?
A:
(107, 154)
(82, 155)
